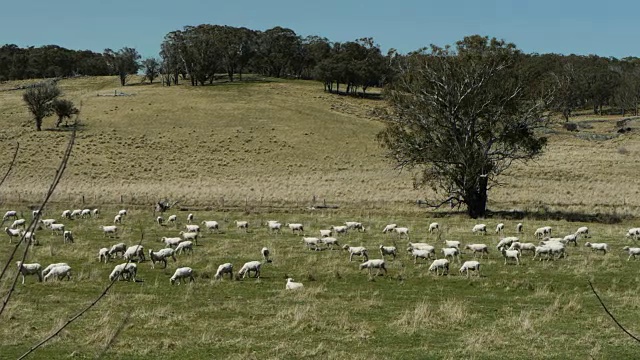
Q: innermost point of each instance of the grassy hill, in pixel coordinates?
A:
(278, 142)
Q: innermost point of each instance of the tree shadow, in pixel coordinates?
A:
(541, 215)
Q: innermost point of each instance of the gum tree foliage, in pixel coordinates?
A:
(151, 68)
(462, 116)
(39, 100)
(123, 63)
(64, 109)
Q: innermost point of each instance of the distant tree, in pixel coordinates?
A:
(64, 109)
(151, 68)
(39, 100)
(123, 62)
(462, 118)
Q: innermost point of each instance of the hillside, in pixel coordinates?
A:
(279, 142)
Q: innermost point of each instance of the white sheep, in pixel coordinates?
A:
(340, 229)
(422, 246)
(330, 242)
(571, 238)
(75, 213)
(10, 214)
(135, 251)
(402, 231)
(357, 251)
(29, 236)
(47, 222)
(470, 265)
(184, 246)
(226, 268)
(354, 225)
(57, 228)
(12, 233)
(542, 250)
(423, 254)
(85, 213)
(389, 228)
(312, 243)
(439, 264)
(453, 253)
(479, 228)
(95, 213)
(171, 241)
(511, 254)
(452, 244)
(172, 219)
(542, 232)
(103, 253)
(248, 267)
(434, 227)
(500, 228)
(161, 256)
(291, 285)
(46, 270)
(265, 254)
(59, 272)
(29, 269)
(122, 213)
(295, 227)
(66, 214)
(506, 242)
(35, 213)
(275, 227)
(193, 236)
(598, 246)
(374, 264)
(633, 233)
(326, 233)
(525, 247)
(583, 231)
(67, 236)
(211, 225)
(159, 220)
(189, 218)
(19, 222)
(109, 230)
(192, 228)
(478, 248)
(388, 250)
(632, 251)
(519, 228)
(244, 225)
(125, 271)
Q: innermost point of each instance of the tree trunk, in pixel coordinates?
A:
(39, 124)
(59, 121)
(123, 79)
(476, 199)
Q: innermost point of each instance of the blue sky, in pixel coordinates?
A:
(606, 28)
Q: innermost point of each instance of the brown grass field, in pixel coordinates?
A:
(267, 147)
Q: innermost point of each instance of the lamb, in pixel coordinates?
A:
(59, 272)
(330, 242)
(571, 238)
(434, 227)
(12, 233)
(423, 254)
(519, 228)
(452, 244)
(125, 271)
(171, 241)
(248, 267)
(103, 253)
(511, 254)
(161, 256)
(190, 218)
(500, 228)
(312, 242)
(184, 246)
(340, 229)
(632, 251)
(295, 227)
(326, 233)
(506, 242)
(357, 250)
(265, 254)
(402, 231)
(192, 228)
(244, 225)
(57, 228)
(135, 251)
(66, 214)
(453, 253)
(29, 269)
(291, 285)
(117, 219)
(67, 236)
(85, 213)
(95, 213)
(226, 268)
(598, 246)
(47, 222)
(542, 232)
(51, 266)
(75, 213)
(478, 248)
(584, 231)
(479, 228)
(109, 230)
(355, 225)
(122, 213)
(172, 219)
(388, 250)
(470, 265)
(10, 214)
(211, 225)
(389, 228)
(374, 264)
(193, 236)
(19, 222)
(440, 264)
(117, 248)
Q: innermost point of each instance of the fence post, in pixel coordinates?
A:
(121, 200)
(82, 199)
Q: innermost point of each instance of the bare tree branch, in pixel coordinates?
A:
(611, 315)
(13, 161)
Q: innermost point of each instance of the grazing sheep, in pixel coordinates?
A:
(330, 242)
(66, 214)
(524, 247)
(192, 228)
(211, 225)
(109, 230)
(12, 233)
(184, 246)
(295, 227)
(632, 251)
(29, 236)
(402, 231)
(389, 228)
(125, 271)
(29, 269)
(159, 220)
(117, 248)
(633, 233)
(340, 229)
(248, 267)
(57, 228)
(433, 227)
(312, 242)
(542, 232)
(51, 266)
(47, 222)
(421, 246)
(19, 222)
(60, 272)
(226, 268)
(571, 238)
(171, 242)
(388, 250)
(172, 219)
(557, 249)
(67, 236)
(511, 254)
(542, 250)
(354, 225)
(584, 231)
(10, 214)
(478, 248)
(470, 265)
(103, 253)
(95, 213)
(135, 251)
(293, 285)
(423, 254)
(479, 228)
(500, 228)
(161, 256)
(35, 213)
(122, 213)
(356, 250)
(506, 242)
(244, 225)
(190, 218)
(374, 264)
(75, 213)
(440, 264)
(452, 244)
(326, 233)
(265, 254)
(85, 213)
(598, 246)
(275, 227)
(519, 228)
(453, 253)
(193, 236)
